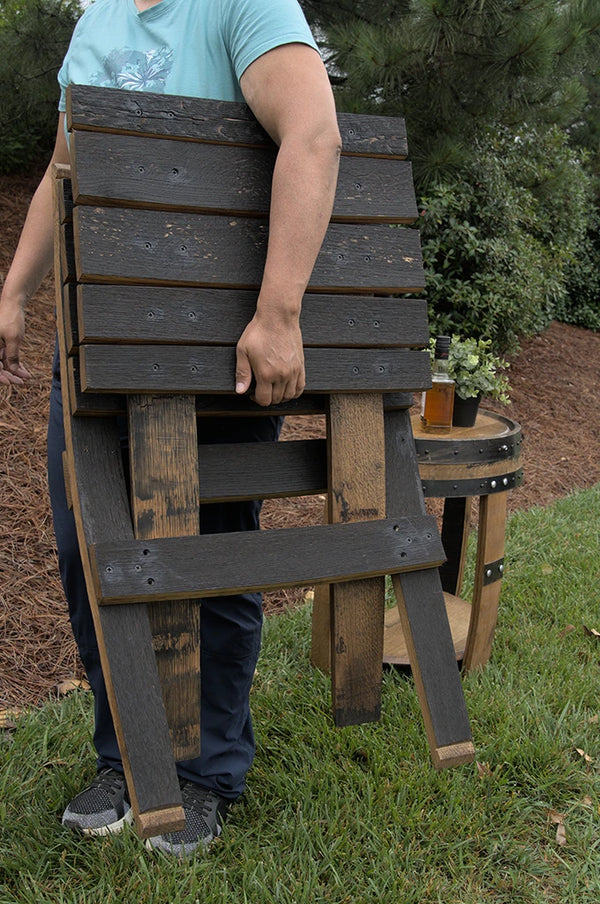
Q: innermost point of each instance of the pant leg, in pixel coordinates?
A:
(231, 629)
(230, 626)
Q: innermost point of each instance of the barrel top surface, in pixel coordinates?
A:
(488, 425)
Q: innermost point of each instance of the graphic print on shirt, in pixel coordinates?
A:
(135, 70)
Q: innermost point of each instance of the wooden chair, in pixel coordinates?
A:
(159, 257)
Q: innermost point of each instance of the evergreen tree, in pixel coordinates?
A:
(34, 36)
(451, 67)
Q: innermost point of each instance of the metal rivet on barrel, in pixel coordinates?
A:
(493, 484)
(489, 572)
(505, 481)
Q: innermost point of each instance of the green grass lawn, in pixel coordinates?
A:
(358, 814)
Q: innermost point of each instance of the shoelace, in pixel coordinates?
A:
(110, 781)
(197, 797)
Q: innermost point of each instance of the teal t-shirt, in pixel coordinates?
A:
(198, 48)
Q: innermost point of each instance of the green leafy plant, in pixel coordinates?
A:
(476, 370)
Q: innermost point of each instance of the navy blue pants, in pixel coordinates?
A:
(230, 626)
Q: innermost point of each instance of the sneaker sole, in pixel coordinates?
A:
(112, 829)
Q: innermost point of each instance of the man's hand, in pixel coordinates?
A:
(12, 330)
(271, 350)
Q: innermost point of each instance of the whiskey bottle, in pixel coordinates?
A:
(438, 402)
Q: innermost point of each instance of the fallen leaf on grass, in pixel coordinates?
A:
(585, 755)
(483, 769)
(568, 629)
(8, 718)
(71, 684)
(547, 569)
(558, 820)
(587, 801)
(590, 632)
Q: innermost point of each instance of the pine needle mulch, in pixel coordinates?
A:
(556, 398)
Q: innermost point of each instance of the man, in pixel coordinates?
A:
(260, 51)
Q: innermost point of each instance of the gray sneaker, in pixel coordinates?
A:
(102, 808)
(205, 813)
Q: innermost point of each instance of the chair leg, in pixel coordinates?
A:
(356, 493)
(423, 612)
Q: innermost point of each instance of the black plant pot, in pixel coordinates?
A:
(465, 411)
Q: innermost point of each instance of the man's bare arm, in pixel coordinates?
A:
(31, 262)
(289, 93)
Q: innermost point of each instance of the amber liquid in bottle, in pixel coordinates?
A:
(438, 402)
(438, 405)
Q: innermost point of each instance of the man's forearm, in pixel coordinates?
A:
(303, 190)
(33, 257)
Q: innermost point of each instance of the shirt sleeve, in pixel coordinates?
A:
(63, 72)
(253, 27)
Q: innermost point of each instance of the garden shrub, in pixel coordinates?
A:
(498, 242)
(581, 307)
(34, 36)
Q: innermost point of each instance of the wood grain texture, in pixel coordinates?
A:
(356, 493)
(218, 316)
(188, 369)
(163, 451)
(196, 119)
(147, 570)
(114, 244)
(126, 170)
(486, 597)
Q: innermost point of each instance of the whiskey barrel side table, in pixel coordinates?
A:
(483, 461)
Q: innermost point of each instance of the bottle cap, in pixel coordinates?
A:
(442, 346)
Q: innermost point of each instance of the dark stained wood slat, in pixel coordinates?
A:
(219, 316)
(196, 119)
(68, 267)
(142, 571)
(125, 170)
(70, 317)
(235, 471)
(145, 246)
(102, 511)
(176, 368)
(423, 614)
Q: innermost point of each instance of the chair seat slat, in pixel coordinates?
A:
(196, 369)
(218, 317)
(114, 245)
(224, 122)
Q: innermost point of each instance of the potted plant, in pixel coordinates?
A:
(477, 373)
